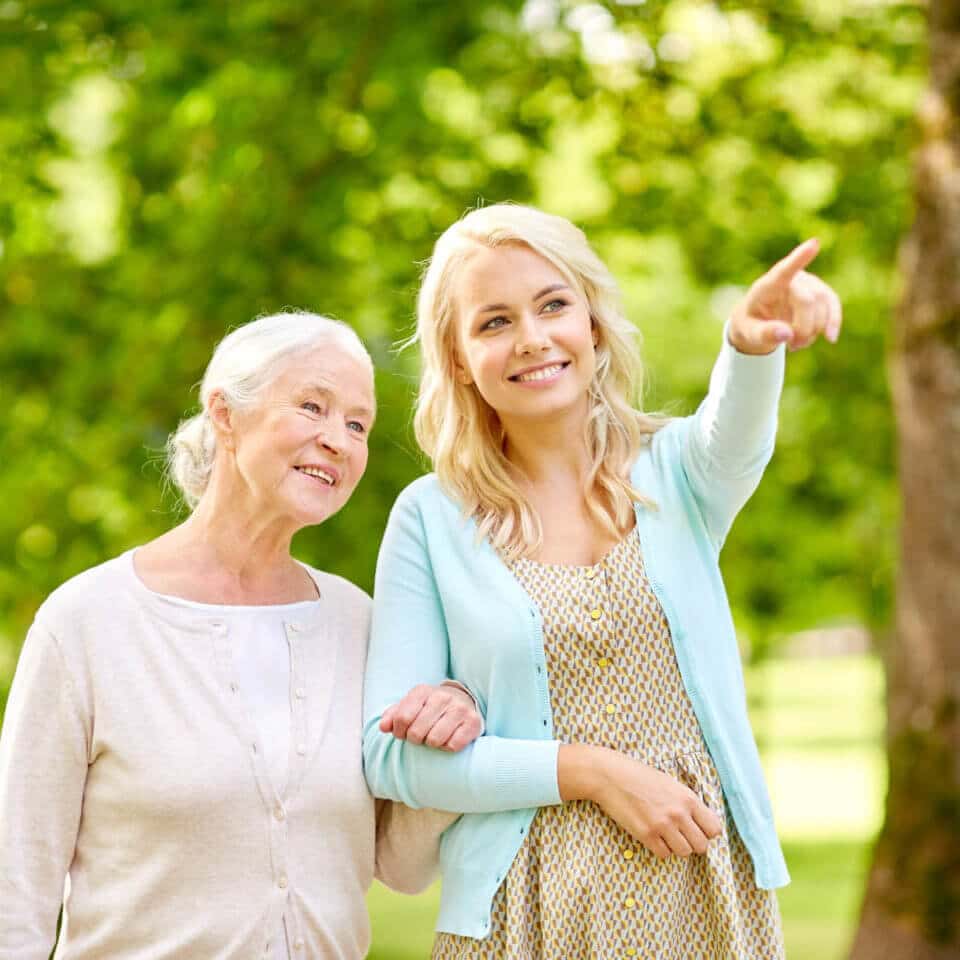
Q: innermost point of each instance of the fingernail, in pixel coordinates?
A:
(783, 334)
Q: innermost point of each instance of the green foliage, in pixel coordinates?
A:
(170, 170)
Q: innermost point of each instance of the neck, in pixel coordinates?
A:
(549, 451)
(229, 532)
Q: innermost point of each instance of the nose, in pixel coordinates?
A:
(332, 436)
(531, 336)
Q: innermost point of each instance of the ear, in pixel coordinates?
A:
(221, 417)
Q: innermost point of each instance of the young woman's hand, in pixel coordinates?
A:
(444, 717)
(654, 808)
(786, 305)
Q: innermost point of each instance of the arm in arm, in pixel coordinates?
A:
(409, 646)
(408, 845)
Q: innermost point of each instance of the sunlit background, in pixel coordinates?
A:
(168, 171)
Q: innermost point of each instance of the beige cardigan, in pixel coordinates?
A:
(129, 765)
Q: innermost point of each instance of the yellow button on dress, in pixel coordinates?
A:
(580, 887)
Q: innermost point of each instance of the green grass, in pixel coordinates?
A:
(821, 905)
(402, 926)
(819, 723)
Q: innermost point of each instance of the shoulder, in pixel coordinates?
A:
(100, 591)
(662, 453)
(425, 491)
(339, 589)
(425, 503)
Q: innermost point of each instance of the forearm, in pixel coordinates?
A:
(491, 775)
(580, 771)
(735, 427)
(408, 845)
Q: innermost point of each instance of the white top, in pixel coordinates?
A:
(133, 763)
(261, 659)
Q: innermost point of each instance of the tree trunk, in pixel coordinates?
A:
(912, 904)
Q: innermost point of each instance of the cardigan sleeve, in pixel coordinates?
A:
(409, 645)
(408, 845)
(43, 768)
(730, 438)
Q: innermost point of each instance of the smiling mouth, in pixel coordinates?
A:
(323, 476)
(543, 373)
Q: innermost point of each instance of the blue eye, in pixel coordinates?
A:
(356, 426)
(554, 305)
(494, 323)
(312, 408)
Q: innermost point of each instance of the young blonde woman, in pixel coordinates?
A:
(562, 563)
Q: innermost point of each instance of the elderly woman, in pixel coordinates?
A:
(182, 740)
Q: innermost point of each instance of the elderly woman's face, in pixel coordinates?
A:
(302, 448)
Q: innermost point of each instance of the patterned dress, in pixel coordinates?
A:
(580, 888)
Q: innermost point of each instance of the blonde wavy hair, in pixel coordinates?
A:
(463, 435)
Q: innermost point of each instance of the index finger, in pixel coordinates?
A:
(783, 271)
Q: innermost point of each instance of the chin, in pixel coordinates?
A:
(549, 408)
(311, 516)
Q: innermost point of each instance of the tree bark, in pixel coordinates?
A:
(911, 909)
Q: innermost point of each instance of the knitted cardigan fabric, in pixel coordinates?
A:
(130, 764)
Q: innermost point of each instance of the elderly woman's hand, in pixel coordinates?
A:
(445, 717)
(786, 305)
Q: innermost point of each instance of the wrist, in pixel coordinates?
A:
(740, 344)
(736, 338)
(581, 771)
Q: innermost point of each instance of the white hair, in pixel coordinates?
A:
(244, 363)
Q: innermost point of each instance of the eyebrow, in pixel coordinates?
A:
(328, 391)
(503, 306)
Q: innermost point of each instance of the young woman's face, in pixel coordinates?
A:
(525, 337)
(302, 449)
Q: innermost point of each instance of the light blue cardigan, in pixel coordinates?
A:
(447, 606)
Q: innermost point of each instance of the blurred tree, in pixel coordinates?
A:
(171, 169)
(912, 906)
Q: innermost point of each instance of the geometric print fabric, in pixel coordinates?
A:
(580, 887)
